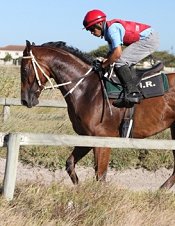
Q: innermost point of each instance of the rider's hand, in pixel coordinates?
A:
(97, 66)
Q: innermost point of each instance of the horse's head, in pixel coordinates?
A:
(64, 64)
(32, 79)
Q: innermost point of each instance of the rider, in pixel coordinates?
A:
(140, 39)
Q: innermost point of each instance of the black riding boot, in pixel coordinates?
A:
(131, 93)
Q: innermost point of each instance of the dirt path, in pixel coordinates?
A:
(134, 179)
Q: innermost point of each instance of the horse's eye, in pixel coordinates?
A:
(24, 70)
(24, 74)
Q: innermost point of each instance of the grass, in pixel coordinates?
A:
(90, 204)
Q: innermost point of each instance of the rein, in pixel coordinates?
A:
(36, 64)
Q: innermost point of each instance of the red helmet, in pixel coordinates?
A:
(93, 17)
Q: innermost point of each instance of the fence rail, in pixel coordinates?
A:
(42, 103)
(13, 142)
(7, 102)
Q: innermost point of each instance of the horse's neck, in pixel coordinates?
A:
(67, 68)
(73, 75)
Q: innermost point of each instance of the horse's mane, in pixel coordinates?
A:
(87, 58)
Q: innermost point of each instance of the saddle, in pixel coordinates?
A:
(151, 82)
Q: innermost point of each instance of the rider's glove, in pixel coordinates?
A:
(97, 66)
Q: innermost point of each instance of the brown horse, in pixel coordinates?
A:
(88, 110)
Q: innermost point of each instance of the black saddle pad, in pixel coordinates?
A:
(151, 86)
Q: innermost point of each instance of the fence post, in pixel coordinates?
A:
(13, 145)
(6, 112)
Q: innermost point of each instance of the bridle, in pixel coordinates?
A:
(35, 65)
(52, 86)
(80, 79)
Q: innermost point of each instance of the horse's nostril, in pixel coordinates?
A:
(24, 102)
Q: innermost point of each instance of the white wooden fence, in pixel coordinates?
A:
(7, 102)
(13, 142)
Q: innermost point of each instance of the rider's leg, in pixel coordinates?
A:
(131, 56)
(132, 93)
(137, 51)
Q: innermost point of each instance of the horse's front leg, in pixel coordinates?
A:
(76, 155)
(101, 156)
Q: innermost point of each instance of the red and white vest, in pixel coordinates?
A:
(132, 30)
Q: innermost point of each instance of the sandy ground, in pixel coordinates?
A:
(133, 179)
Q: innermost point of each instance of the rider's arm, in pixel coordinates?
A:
(115, 55)
(114, 36)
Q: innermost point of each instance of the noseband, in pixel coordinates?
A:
(36, 64)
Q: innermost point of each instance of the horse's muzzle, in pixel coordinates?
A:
(29, 101)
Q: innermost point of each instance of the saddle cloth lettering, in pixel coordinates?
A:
(153, 86)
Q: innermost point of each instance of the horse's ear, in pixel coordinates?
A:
(28, 43)
(28, 46)
(33, 43)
